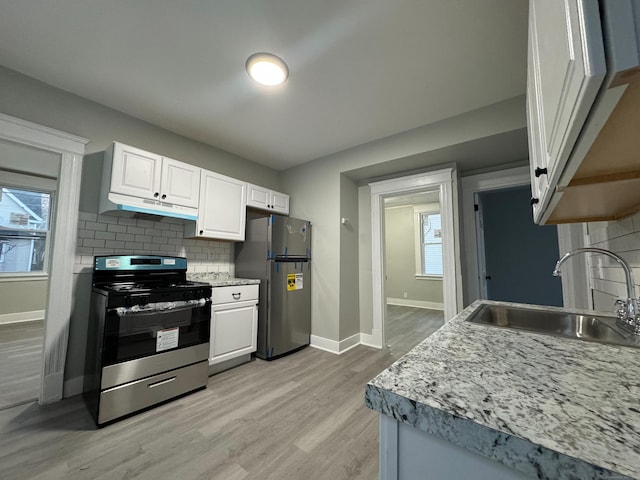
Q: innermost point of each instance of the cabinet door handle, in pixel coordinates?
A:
(534, 201)
(236, 296)
(164, 196)
(201, 232)
(539, 171)
(156, 195)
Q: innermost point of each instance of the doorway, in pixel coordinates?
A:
(413, 259)
(445, 183)
(516, 256)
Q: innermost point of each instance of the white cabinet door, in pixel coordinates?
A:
(280, 203)
(258, 197)
(222, 209)
(265, 199)
(234, 331)
(135, 172)
(180, 183)
(566, 68)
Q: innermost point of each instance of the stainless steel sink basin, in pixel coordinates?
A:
(584, 327)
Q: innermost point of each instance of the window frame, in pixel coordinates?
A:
(37, 184)
(418, 211)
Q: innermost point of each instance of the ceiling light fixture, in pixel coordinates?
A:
(267, 69)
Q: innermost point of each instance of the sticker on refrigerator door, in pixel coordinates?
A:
(167, 339)
(294, 281)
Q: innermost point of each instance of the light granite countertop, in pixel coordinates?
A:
(553, 408)
(220, 279)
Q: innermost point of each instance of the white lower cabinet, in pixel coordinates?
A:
(234, 322)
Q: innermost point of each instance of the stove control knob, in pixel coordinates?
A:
(188, 295)
(127, 301)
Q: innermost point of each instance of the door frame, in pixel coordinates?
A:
(446, 180)
(570, 237)
(62, 252)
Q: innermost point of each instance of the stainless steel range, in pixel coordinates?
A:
(148, 335)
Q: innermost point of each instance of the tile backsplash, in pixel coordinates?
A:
(607, 278)
(114, 235)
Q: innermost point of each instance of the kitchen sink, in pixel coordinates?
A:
(592, 328)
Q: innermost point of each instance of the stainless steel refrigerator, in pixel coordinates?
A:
(277, 250)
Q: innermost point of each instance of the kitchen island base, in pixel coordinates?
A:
(407, 453)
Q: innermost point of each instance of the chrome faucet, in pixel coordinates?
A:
(628, 312)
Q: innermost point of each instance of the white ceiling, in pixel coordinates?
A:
(360, 70)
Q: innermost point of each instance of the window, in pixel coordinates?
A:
(24, 227)
(428, 244)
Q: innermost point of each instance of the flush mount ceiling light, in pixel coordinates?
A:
(267, 69)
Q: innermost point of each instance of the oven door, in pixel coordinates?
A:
(145, 330)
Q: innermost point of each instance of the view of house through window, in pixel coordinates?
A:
(24, 226)
(431, 244)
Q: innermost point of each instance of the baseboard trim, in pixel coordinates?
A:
(374, 340)
(51, 388)
(73, 387)
(20, 317)
(334, 346)
(415, 303)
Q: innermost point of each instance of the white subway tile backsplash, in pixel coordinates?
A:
(109, 235)
(608, 279)
(135, 230)
(105, 235)
(116, 228)
(98, 227)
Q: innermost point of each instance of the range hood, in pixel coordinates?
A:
(129, 206)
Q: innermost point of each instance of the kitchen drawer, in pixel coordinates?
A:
(131, 397)
(239, 293)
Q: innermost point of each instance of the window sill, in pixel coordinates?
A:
(23, 277)
(428, 277)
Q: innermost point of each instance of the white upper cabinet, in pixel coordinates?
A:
(180, 183)
(222, 210)
(566, 66)
(133, 172)
(583, 108)
(265, 199)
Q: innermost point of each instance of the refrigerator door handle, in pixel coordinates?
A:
(291, 258)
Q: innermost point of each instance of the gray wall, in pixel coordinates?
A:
(349, 315)
(400, 266)
(316, 187)
(29, 99)
(23, 296)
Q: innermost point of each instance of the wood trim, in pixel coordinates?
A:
(415, 303)
(333, 346)
(20, 317)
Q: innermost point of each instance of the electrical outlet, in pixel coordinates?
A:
(405, 294)
(211, 255)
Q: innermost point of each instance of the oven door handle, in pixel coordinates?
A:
(156, 308)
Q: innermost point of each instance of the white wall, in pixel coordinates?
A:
(607, 278)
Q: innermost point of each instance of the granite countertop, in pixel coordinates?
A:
(553, 408)
(220, 280)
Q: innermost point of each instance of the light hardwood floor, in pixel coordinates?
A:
(298, 417)
(20, 362)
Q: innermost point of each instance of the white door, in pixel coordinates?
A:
(180, 183)
(136, 172)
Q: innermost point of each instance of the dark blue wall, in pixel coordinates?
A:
(520, 255)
